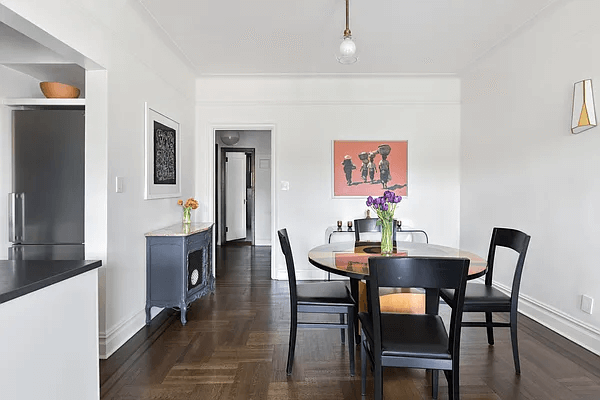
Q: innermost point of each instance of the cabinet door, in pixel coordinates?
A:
(166, 269)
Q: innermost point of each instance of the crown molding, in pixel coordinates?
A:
(333, 75)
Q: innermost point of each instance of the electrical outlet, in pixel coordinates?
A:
(587, 304)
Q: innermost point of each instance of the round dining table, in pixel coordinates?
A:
(351, 259)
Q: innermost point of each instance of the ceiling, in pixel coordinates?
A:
(303, 36)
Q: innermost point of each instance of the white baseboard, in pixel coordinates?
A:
(119, 334)
(262, 242)
(585, 335)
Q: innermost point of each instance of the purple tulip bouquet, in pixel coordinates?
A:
(385, 206)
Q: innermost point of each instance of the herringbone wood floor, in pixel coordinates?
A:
(234, 346)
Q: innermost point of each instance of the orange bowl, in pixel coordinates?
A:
(57, 90)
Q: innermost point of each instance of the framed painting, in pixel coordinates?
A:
(163, 161)
(369, 168)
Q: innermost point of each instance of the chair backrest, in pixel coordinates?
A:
(430, 273)
(369, 225)
(512, 239)
(284, 240)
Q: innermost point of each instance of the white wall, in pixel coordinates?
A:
(140, 68)
(522, 168)
(306, 114)
(260, 141)
(12, 84)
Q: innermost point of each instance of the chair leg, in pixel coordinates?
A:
(354, 292)
(292, 345)
(513, 338)
(363, 366)
(452, 377)
(351, 349)
(343, 330)
(435, 377)
(378, 377)
(490, 328)
(455, 394)
(450, 380)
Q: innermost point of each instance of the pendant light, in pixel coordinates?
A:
(347, 47)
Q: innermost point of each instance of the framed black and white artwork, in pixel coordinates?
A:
(163, 161)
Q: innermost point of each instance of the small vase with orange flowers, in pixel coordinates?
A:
(190, 204)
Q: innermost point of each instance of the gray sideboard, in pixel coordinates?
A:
(178, 266)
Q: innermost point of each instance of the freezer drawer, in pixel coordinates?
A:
(47, 252)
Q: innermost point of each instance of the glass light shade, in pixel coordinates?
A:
(348, 47)
(230, 137)
(347, 51)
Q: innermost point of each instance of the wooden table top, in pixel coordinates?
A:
(351, 259)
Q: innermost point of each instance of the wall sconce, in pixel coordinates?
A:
(584, 113)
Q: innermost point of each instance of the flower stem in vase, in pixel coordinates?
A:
(187, 215)
(387, 244)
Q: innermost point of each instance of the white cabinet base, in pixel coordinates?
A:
(49, 342)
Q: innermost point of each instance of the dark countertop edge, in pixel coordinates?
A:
(48, 281)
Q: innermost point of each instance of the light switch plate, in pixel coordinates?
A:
(285, 185)
(587, 304)
(119, 188)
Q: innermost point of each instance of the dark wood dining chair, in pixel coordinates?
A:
(401, 299)
(369, 225)
(413, 340)
(487, 299)
(317, 297)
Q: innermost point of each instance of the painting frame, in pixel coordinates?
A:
(162, 155)
(395, 152)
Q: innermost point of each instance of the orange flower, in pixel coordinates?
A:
(190, 203)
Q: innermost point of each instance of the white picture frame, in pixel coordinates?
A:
(162, 156)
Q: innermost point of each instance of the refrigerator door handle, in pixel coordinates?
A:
(12, 224)
(16, 216)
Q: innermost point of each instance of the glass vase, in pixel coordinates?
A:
(187, 215)
(387, 243)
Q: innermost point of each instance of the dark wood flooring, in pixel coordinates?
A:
(234, 346)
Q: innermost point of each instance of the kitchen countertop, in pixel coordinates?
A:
(181, 229)
(21, 277)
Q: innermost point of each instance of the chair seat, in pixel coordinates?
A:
(324, 293)
(410, 335)
(479, 295)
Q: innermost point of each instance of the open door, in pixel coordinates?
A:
(235, 195)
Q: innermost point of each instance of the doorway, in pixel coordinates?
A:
(252, 151)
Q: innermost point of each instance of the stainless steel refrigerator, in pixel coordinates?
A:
(46, 206)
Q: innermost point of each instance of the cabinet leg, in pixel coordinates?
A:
(183, 312)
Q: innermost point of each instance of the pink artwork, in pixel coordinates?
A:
(369, 168)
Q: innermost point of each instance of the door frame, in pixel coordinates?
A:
(250, 195)
(211, 142)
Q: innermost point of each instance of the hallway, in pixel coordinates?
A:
(234, 346)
